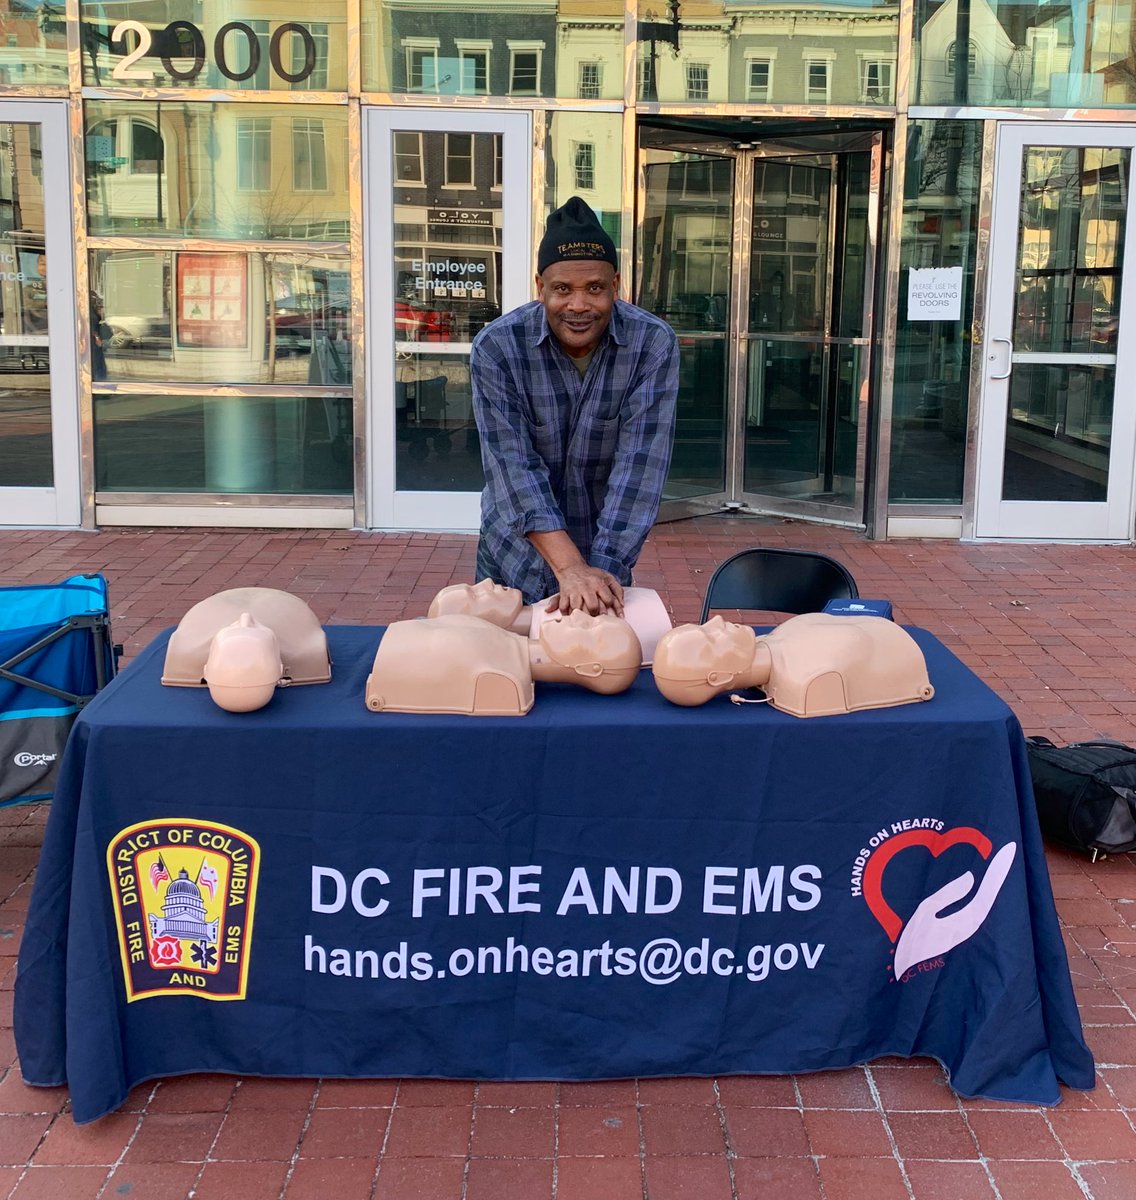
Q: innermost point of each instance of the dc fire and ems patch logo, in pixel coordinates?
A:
(184, 893)
(940, 921)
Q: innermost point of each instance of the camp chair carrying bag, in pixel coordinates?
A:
(1085, 793)
(55, 654)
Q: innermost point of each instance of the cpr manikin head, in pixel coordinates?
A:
(694, 663)
(301, 645)
(493, 602)
(643, 610)
(816, 664)
(243, 667)
(600, 653)
(461, 664)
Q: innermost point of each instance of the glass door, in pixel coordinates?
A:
(1057, 430)
(441, 189)
(805, 350)
(39, 409)
(762, 256)
(684, 275)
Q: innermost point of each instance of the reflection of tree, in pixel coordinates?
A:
(270, 274)
(1124, 70)
(308, 281)
(268, 214)
(1018, 70)
(940, 158)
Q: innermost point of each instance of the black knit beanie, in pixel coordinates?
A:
(573, 232)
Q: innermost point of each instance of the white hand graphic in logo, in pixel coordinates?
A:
(927, 935)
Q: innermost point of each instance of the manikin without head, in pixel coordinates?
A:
(812, 665)
(643, 610)
(244, 642)
(462, 664)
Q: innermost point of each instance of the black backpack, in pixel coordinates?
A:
(1085, 794)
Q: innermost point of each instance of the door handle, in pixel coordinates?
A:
(1009, 357)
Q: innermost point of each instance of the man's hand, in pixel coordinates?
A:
(581, 586)
(589, 588)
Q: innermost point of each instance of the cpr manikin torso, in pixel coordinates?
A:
(812, 665)
(643, 610)
(229, 641)
(462, 664)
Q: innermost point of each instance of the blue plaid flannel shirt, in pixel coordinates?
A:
(589, 455)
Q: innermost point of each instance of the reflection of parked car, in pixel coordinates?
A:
(415, 323)
(298, 319)
(293, 333)
(138, 333)
(1104, 332)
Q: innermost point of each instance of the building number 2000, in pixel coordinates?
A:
(190, 43)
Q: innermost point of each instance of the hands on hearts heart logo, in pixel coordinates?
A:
(936, 925)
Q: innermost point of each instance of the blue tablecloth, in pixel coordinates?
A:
(607, 887)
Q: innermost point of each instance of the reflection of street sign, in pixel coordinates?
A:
(100, 147)
(769, 229)
(459, 216)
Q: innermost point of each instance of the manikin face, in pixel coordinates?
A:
(591, 644)
(488, 600)
(578, 299)
(696, 662)
(718, 646)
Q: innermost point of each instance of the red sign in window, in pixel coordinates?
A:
(212, 300)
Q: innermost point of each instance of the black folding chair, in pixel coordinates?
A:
(55, 655)
(774, 580)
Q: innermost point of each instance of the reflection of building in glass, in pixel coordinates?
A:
(1046, 55)
(589, 50)
(217, 170)
(34, 48)
(265, 45)
(584, 159)
(447, 234)
(504, 48)
(766, 53)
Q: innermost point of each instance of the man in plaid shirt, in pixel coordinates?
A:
(574, 397)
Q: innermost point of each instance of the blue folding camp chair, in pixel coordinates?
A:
(55, 654)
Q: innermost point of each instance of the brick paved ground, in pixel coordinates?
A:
(1052, 629)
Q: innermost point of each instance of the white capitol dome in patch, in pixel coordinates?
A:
(183, 913)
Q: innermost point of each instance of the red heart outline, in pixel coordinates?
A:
(872, 884)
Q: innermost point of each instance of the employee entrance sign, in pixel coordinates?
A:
(450, 275)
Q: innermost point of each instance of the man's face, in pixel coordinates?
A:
(578, 298)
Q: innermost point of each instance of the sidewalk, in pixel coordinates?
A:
(1052, 629)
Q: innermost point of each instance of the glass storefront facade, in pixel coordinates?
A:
(932, 358)
(783, 185)
(25, 327)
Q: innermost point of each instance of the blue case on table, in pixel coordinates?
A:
(860, 608)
